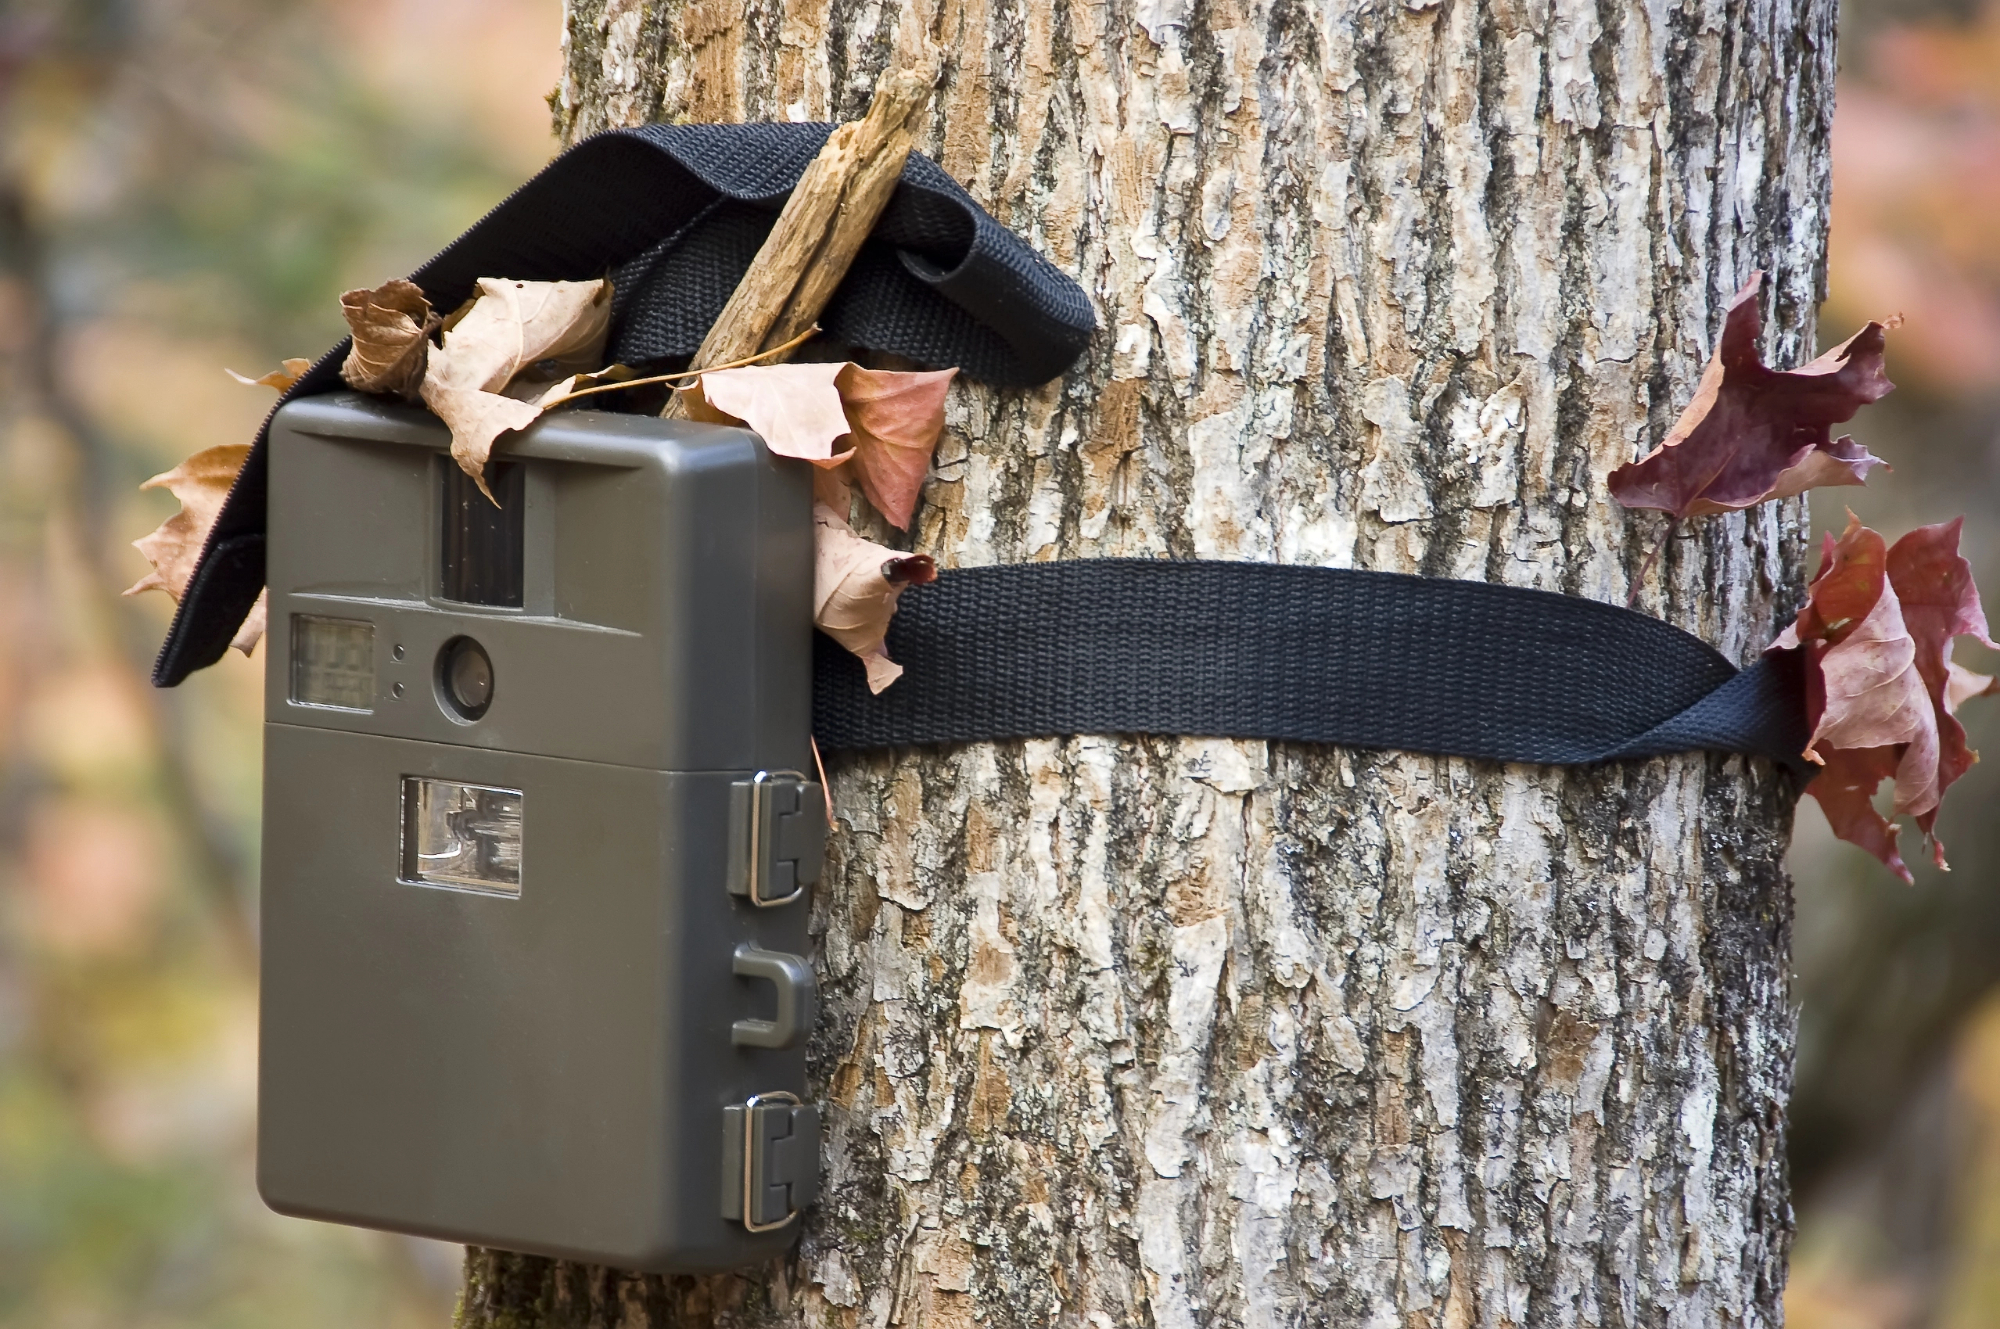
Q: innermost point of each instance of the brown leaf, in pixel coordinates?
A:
(1843, 462)
(1845, 788)
(476, 420)
(1754, 433)
(254, 623)
(1877, 630)
(1962, 685)
(511, 326)
(896, 417)
(831, 488)
(392, 327)
(892, 418)
(795, 408)
(1940, 604)
(548, 395)
(287, 373)
(1874, 695)
(201, 483)
(856, 584)
(694, 402)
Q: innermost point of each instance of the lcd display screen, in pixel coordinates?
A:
(333, 662)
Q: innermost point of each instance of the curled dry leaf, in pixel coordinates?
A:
(1845, 790)
(1878, 629)
(1962, 685)
(892, 419)
(563, 388)
(856, 584)
(392, 327)
(287, 373)
(254, 623)
(1754, 433)
(1940, 604)
(201, 483)
(795, 408)
(510, 326)
(897, 417)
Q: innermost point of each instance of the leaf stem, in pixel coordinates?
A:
(825, 785)
(1639, 582)
(685, 373)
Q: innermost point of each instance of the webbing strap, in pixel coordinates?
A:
(1311, 655)
(1106, 646)
(676, 213)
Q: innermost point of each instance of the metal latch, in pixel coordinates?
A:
(777, 837)
(770, 1160)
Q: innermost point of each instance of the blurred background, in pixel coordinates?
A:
(187, 185)
(1896, 1118)
(184, 185)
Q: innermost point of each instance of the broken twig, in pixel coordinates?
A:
(830, 212)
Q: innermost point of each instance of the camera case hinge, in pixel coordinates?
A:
(770, 1160)
(777, 837)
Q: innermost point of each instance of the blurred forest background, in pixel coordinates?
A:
(188, 184)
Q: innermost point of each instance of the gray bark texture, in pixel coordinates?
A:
(1196, 1032)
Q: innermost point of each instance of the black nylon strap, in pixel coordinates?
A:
(675, 213)
(1313, 655)
(1110, 646)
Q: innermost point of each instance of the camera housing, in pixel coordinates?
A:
(526, 759)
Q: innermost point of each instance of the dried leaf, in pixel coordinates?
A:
(1845, 791)
(548, 395)
(795, 408)
(392, 327)
(511, 326)
(1872, 694)
(1962, 685)
(1940, 604)
(896, 417)
(1877, 630)
(537, 389)
(831, 488)
(287, 373)
(1754, 433)
(201, 483)
(694, 404)
(476, 419)
(1843, 462)
(856, 584)
(892, 418)
(252, 630)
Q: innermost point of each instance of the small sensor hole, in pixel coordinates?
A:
(464, 678)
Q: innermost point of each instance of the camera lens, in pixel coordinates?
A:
(465, 678)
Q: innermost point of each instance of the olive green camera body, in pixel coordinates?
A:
(536, 838)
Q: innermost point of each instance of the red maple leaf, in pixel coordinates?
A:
(1754, 433)
(1878, 628)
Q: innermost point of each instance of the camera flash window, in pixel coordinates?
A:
(461, 836)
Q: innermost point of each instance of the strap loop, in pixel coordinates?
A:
(1303, 654)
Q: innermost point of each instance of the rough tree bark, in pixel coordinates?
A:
(1213, 1033)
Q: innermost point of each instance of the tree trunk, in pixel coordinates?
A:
(1196, 1032)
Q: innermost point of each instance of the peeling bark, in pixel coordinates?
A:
(1193, 1032)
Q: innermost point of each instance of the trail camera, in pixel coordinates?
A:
(536, 841)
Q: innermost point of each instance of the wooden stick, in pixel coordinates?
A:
(829, 214)
(900, 99)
